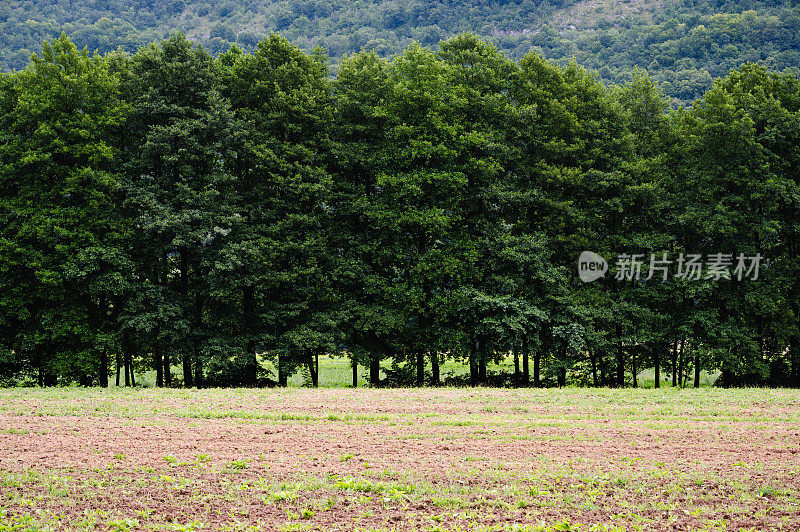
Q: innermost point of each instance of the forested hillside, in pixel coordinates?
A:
(167, 208)
(683, 44)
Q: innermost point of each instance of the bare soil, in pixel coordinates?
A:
(398, 460)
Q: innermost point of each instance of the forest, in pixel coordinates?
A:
(683, 44)
(172, 209)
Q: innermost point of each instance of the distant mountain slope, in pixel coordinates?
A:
(683, 44)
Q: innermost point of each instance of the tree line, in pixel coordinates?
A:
(683, 44)
(226, 216)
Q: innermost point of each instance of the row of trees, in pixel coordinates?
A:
(168, 209)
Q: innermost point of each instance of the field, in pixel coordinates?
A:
(399, 459)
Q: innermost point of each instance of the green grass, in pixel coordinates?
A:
(336, 372)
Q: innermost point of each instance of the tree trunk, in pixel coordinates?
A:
(420, 368)
(127, 356)
(96, 314)
(159, 365)
(473, 363)
(482, 351)
(526, 369)
(197, 356)
(657, 363)
(167, 369)
(104, 368)
(127, 366)
(248, 326)
(198, 370)
(697, 368)
(593, 357)
(45, 378)
(283, 379)
(184, 287)
(633, 367)
(50, 379)
(117, 360)
(133, 376)
(374, 370)
(603, 376)
(620, 359)
(794, 357)
(686, 370)
(188, 379)
(675, 363)
(435, 378)
(313, 368)
(680, 362)
(354, 364)
(517, 374)
(166, 362)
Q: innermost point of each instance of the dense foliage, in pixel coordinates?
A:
(167, 209)
(683, 44)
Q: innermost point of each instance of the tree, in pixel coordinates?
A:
(742, 166)
(64, 261)
(360, 148)
(176, 137)
(277, 254)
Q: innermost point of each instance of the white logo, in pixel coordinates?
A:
(591, 266)
(687, 266)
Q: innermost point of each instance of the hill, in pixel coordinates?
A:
(683, 44)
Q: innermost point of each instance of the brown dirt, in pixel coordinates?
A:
(456, 460)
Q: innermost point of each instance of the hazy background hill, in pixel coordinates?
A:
(683, 44)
